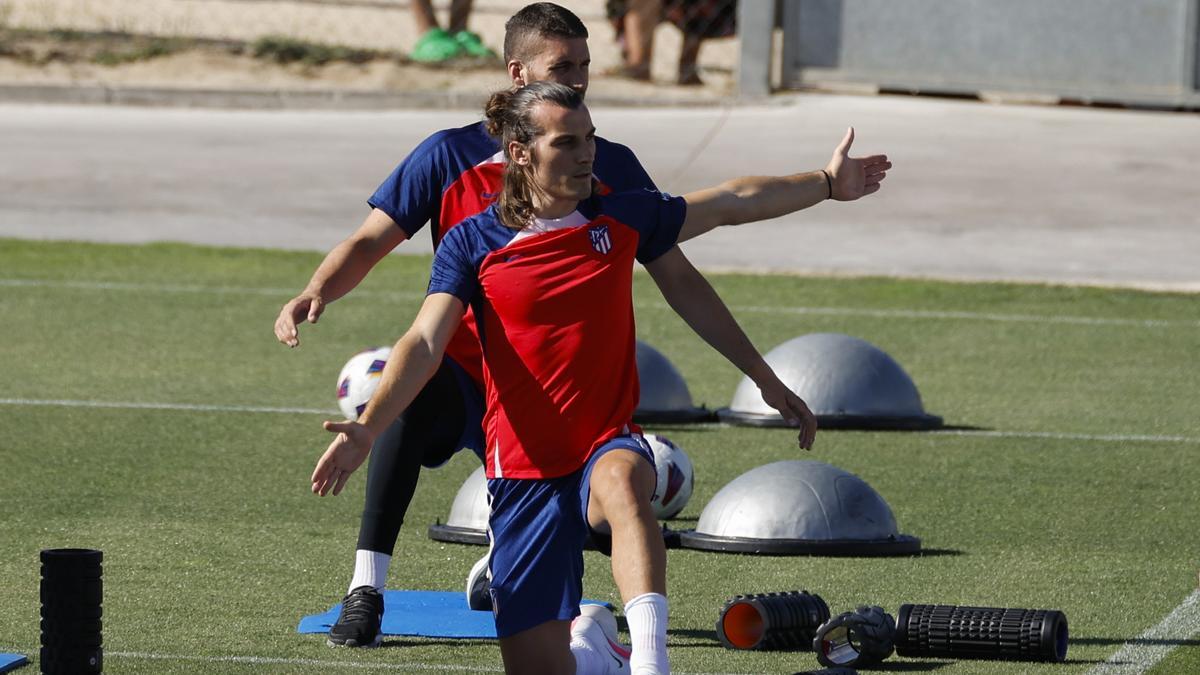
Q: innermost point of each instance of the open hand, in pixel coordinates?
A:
(299, 309)
(345, 454)
(854, 177)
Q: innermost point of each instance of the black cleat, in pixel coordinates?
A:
(358, 623)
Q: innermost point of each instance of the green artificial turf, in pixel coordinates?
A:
(214, 547)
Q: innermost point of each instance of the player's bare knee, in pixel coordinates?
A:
(622, 479)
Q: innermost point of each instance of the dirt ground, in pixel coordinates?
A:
(214, 53)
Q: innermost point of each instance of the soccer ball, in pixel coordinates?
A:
(359, 379)
(675, 476)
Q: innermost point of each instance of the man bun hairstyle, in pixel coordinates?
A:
(532, 23)
(509, 115)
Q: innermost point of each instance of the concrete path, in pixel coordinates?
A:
(979, 191)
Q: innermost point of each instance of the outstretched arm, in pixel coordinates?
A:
(691, 296)
(753, 198)
(341, 270)
(413, 360)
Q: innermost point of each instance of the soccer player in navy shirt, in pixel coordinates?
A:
(548, 273)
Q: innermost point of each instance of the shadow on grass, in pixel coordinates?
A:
(709, 426)
(910, 666)
(937, 553)
(699, 637)
(962, 427)
(923, 553)
(707, 640)
(682, 519)
(401, 641)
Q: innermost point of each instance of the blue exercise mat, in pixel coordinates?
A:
(424, 613)
(11, 662)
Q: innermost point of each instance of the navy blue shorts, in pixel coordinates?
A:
(472, 430)
(537, 529)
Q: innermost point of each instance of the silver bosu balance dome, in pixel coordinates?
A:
(847, 382)
(799, 507)
(468, 519)
(469, 513)
(665, 398)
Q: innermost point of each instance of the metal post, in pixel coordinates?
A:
(756, 28)
(1191, 51)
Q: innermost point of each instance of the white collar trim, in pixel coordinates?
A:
(544, 225)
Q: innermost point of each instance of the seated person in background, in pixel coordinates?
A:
(635, 20)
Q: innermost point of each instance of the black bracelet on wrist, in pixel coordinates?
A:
(828, 183)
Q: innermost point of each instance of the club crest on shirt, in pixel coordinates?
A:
(600, 239)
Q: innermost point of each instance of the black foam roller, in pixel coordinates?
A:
(75, 562)
(72, 661)
(981, 633)
(771, 620)
(73, 592)
(72, 595)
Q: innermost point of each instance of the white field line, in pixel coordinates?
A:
(196, 407)
(984, 433)
(1108, 438)
(131, 405)
(970, 316)
(407, 666)
(188, 288)
(761, 309)
(1143, 652)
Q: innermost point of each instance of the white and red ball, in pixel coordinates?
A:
(675, 476)
(359, 379)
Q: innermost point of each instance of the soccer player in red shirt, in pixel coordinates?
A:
(548, 273)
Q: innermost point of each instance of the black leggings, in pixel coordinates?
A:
(427, 433)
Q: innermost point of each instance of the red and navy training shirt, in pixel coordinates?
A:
(554, 309)
(456, 173)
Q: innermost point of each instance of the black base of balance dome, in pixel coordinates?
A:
(892, 546)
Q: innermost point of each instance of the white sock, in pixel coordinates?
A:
(370, 569)
(588, 661)
(647, 618)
